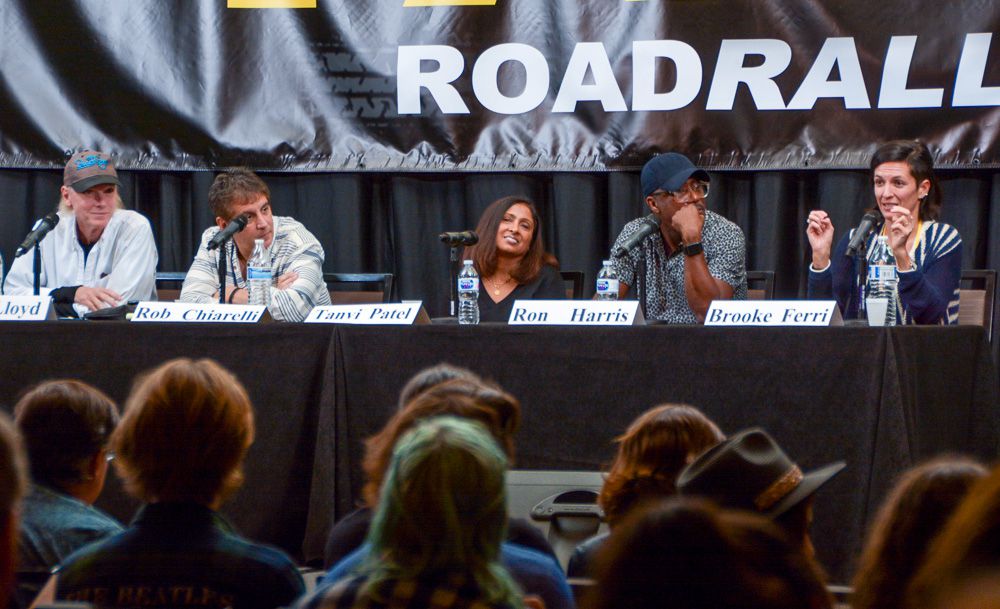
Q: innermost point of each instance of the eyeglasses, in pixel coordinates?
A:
(689, 192)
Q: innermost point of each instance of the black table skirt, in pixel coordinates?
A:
(879, 399)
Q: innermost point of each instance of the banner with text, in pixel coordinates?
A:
(496, 85)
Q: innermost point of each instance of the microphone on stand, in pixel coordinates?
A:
(38, 232)
(650, 225)
(235, 225)
(869, 221)
(466, 237)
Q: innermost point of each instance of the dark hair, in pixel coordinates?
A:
(234, 187)
(484, 253)
(966, 548)
(186, 429)
(429, 377)
(499, 411)
(916, 155)
(914, 512)
(652, 451)
(687, 554)
(64, 423)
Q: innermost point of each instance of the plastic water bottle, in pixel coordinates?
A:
(607, 282)
(259, 275)
(882, 277)
(468, 294)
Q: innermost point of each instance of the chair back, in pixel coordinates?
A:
(975, 302)
(561, 504)
(760, 285)
(168, 284)
(358, 288)
(574, 291)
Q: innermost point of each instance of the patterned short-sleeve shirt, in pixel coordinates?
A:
(725, 253)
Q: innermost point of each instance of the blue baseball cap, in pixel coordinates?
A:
(669, 171)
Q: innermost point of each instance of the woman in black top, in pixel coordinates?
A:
(511, 261)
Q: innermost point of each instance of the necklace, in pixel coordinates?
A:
(497, 286)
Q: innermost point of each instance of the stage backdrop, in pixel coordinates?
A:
(505, 85)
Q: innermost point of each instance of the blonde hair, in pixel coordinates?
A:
(186, 429)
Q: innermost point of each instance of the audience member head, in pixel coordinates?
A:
(496, 409)
(688, 554)
(186, 429)
(429, 377)
(66, 425)
(965, 552)
(651, 452)
(501, 217)
(443, 508)
(914, 512)
(749, 471)
(13, 480)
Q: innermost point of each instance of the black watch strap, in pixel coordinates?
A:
(693, 249)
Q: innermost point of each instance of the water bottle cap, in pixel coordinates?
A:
(258, 242)
(607, 263)
(467, 262)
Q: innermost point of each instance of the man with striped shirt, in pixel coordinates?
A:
(296, 255)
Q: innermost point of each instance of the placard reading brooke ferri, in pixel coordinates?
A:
(389, 314)
(774, 313)
(26, 308)
(198, 313)
(576, 313)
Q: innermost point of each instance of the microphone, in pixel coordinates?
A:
(869, 221)
(235, 225)
(38, 231)
(466, 237)
(650, 224)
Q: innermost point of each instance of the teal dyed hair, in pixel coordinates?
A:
(443, 510)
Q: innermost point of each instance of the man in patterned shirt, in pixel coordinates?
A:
(695, 257)
(296, 255)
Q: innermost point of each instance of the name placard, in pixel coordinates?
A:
(26, 308)
(774, 313)
(190, 312)
(576, 313)
(384, 314)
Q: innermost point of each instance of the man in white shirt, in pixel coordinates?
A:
(296, 255)
(98, 255)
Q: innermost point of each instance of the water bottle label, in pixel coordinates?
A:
(881, 272)
(607, 286)
(468, 284)
(255, 273)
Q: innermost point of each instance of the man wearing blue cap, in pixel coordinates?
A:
(695, 257)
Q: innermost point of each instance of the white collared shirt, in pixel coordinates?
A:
(123, 259)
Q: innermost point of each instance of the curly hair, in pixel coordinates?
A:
(651, 452)
(234, 187)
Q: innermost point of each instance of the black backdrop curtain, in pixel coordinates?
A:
(382, 222)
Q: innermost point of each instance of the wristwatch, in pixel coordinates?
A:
(693, 249)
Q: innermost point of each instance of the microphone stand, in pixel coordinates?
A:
(222, 273)
(453, 279)
(36, 268)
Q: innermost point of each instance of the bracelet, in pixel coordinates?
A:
(231, 294)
